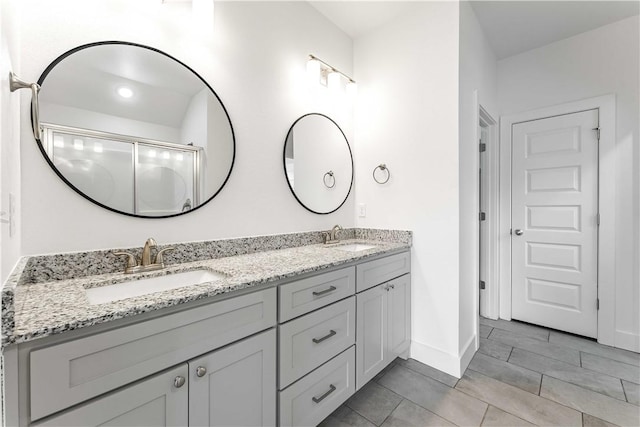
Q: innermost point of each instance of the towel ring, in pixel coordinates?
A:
(383, 168)
(332, 179)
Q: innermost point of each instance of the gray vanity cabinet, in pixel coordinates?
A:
(156, 401)
(383, 326)
(235, 386)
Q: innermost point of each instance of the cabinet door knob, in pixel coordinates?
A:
(179, 381)
(519, 232)
(200, 371)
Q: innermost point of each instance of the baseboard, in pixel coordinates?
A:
(628, 341)
(467, 353)
(451, 364)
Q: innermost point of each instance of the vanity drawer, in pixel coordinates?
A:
(314, 397)
(372, 273)
(71, 372)
(303, 296)
(311, 340)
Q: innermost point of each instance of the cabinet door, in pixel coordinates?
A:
(155, 401)
(235, 386)
(371, 335)
(399, 322)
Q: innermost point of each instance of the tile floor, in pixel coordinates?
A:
(522, 375)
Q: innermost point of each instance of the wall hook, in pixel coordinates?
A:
(14, 84)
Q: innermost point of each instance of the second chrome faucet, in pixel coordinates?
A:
(145, 264)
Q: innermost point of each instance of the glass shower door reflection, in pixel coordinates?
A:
(165, 180)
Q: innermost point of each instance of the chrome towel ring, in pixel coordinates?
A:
(331, 179)
(383, 168)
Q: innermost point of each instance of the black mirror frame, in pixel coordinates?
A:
(284, 163)
(115, 42)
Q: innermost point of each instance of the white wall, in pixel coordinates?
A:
(478, 72)
(256, 63)
(86, 119)
(9, 135)
(407, 117)
(598, 62)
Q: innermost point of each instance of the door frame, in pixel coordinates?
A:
(606, 106)
(490, 260)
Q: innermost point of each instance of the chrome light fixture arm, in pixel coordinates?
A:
(14, 84)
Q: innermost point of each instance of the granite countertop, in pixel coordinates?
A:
(55, 306)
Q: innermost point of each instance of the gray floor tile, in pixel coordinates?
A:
(485, 331)
(345, 417)
(592, 403)
(428, 371)
(632, 392)
(533, 345)
(611, 367)
(385, 370)
(518, 402)
(506, 372)
(591, 421)
(593, 347)
(433, 395)
(518, 327)
(374, 402)
(595, 381)
(410, 414)
(496, 417)
(495, 349)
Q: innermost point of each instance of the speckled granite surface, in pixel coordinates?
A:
(45, 295)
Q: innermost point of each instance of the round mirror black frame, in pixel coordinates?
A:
(66, 181)
(284, 162)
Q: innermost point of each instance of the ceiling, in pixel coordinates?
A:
(511, 27)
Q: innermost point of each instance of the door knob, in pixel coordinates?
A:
(519, 232)
(200, 371)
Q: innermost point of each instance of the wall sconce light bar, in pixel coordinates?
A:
(326, 68)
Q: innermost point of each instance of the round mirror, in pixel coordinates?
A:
(318, 163)
(134, 130)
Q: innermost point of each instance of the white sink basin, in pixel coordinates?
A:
(355, 247)
(136, 288)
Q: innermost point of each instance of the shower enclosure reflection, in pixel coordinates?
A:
(150, 178)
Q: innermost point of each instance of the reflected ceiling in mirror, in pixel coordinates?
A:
(134, 130)
(318, 163)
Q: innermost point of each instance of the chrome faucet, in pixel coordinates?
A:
(330, 236)
(145, 264)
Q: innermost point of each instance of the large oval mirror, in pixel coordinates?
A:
(134, 130)
(318, 163)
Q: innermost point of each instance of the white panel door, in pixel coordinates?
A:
(554, 222)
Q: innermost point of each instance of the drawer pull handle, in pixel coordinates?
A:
(329, 335)
(327, 393)
(326, 291)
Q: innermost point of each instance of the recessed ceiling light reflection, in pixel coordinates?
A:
(152, 153)
(125, 92)
(78, 144)
(166, 155)
(97, 147)
(58, 142)
(179, 157)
